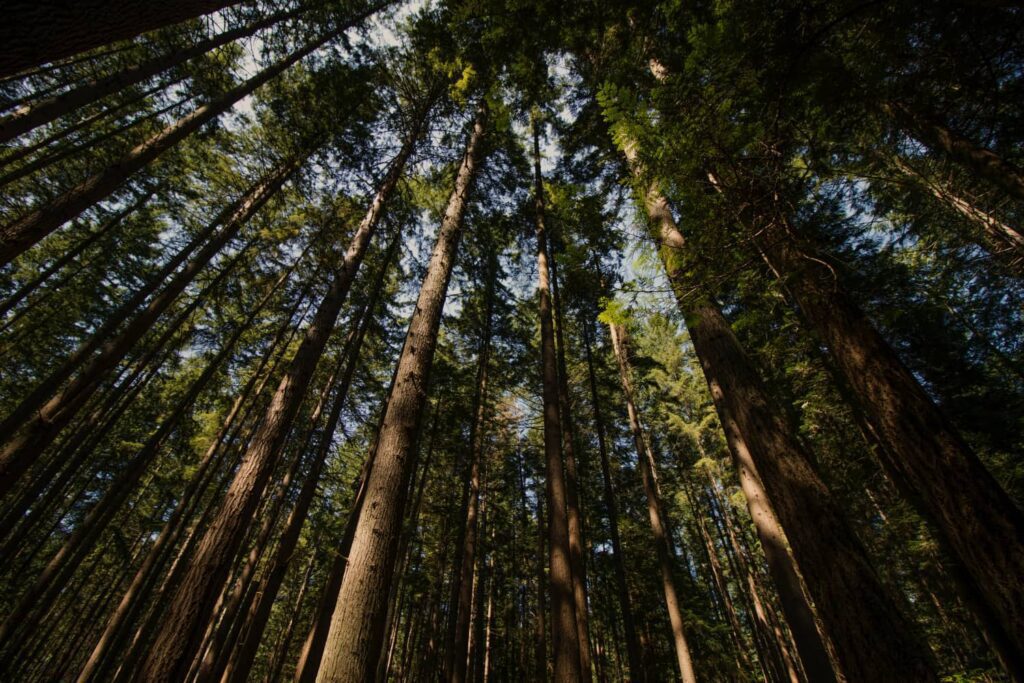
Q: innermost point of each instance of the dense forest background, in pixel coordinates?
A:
(475, 340)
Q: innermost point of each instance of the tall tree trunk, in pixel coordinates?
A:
(44, 31)
(145, 577)
(572, 489)
(564, 633)
(354, 643)
(29, 116)
(467, 556)
(56, 573)
(997, 237)
(662, 540)
(22, 233)
(191, 603)
(872, 638)
(923, 453)
(633, 654)
(241, 666)
(982, 162)
(47, 414)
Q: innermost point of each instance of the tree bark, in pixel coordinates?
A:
(30, 116)
(241, 666)
(662, 541)
(572, 497)
(564, 632)
(923, 453)
(982, 162)
(356, 634)
(177, 638)
(22, 233)
(47, 417)
(45, 31)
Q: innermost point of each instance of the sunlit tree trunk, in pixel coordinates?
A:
(354, 642)
(662, 540)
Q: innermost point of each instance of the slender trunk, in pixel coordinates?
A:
(462, 596)
(71, 254)
(636, 670)
(192, 601)
(922, 451)
(22, 233)
(572, 495)
(60, 567)
(43, 31)
(982, 162)
(564, 633)
(280, 653)
(662, 541)
(29, 116)
(55, 412)
(998, 237)
(354, 642)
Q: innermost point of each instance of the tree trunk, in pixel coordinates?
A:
(997, 237)
(564, 632)
(354, 642)
(260, 612)
(177, 638)
(43, 31)
(55, 412)
(983, 163)
(22, 233)
(572, 497)
(633, 654)
(460, 606)
(29, 116)
(923, 453)
(662, 541)
(872, 638)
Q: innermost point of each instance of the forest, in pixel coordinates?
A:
(470, 341)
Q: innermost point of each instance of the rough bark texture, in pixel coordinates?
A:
(923, 453)
(356, 636)
(662, 541)
(191, 604)
(42, 31)
(241, 666)
(564, 633)
(873, 640)
(572, 497)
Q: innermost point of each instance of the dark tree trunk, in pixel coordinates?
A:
(47, 414)
(922, 451)
(43, 31)
(982, 162)
(633, 654)
(192, 602)
(22, 233)
(659, 523)
(467, 557)
(572, 495)
(872, 638)
(27, 117)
